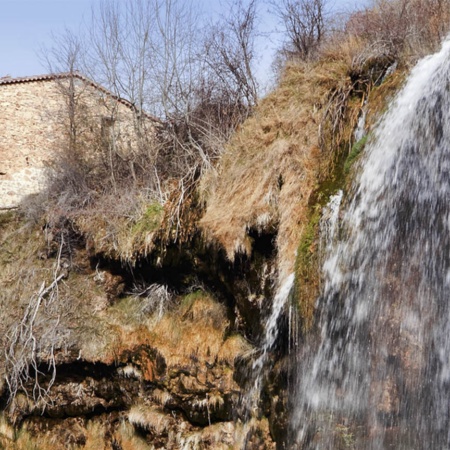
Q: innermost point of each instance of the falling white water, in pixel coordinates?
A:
(271, 330)
(270, 335)
(328, 227)
(360, 130)
(329, 222)
(376, 375)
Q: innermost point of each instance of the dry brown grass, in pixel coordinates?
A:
(220, 436)
(270, 168)
(193, 330)
(7, 432)
(129, 440)
(150, 418)
(96, 436)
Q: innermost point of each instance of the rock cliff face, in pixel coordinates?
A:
(104, 356)
(152, 333)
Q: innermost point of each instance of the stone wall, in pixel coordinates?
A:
(34, 127)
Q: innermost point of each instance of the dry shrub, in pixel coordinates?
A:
(386, 34)
(117, 211)
(122, 217)
(401, 29)
(104, 177)
(106, 186)
(64, 319)
(121, 225)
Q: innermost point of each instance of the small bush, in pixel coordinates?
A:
(402, 29)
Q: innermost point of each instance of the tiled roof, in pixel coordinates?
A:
(61, 76)
(10, 80)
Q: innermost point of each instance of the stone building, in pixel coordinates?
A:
(43, 115)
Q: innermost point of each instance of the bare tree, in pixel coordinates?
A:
(66, 56)
(230, 53)
(397, 28)
(304, 25)
(155, 54)
(118, 55)
(145, 51)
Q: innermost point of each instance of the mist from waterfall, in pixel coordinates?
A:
(375, 372)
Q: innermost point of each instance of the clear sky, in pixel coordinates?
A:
(27, 25)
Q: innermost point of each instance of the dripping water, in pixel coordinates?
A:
(329, 222)
(259, 367)
(376, 372)
(360, 130)
(270, 336)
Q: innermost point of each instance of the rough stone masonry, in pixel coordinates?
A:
(33, 122)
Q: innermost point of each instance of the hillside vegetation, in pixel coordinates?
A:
(281, 166)
(132, 309)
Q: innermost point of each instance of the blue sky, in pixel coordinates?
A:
(27, 25)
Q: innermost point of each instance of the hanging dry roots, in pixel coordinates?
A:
(26, 343)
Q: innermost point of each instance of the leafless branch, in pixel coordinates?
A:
(304, 25)
(27, 347)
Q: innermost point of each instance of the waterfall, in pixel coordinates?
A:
(375, 372)
(260, 365)
(270, 334)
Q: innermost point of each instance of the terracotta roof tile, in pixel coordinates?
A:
(60, 76)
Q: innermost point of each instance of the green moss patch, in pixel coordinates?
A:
(356, 150)
(151, 219)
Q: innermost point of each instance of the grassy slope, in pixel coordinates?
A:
(271, 166)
